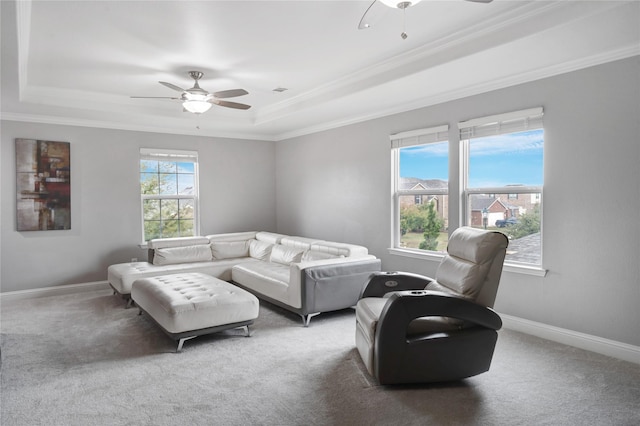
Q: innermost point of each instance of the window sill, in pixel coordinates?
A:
(525, 269)
(435, 256)
(417, 254)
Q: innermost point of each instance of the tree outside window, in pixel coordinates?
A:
(169, 192)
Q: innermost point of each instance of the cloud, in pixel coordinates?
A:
(519, 143)
(439, 149)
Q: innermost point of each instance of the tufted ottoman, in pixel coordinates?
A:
(188, 305)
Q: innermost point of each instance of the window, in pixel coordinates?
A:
(496, 182)
(168, 193)
(421, 188)
(503, 179)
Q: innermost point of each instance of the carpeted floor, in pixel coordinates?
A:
(83, 359)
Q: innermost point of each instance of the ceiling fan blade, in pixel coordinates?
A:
(228, 104)
(372, 15)
(172, 86)
(480, 1)
(230, 93)
(153, 97)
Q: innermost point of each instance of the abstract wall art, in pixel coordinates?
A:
(43, 185)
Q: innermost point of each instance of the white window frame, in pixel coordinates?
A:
(402, 140)
(171, 155)
(458, 192)
(500, 124)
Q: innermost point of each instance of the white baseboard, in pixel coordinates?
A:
(54, 291)
(588, 342)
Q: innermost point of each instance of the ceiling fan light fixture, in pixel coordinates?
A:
(197, 100)
(399, 4)
(196, 106)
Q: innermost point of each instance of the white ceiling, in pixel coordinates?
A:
(78, 62)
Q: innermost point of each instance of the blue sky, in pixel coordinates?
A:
(501, 160)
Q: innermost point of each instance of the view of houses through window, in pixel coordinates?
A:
(424, 201)
(501, 186)
(168, 190)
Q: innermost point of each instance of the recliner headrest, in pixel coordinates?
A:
(476, 245)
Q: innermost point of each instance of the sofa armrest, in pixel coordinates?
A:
(331, 284)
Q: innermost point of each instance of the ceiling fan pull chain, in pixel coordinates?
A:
(404, 24)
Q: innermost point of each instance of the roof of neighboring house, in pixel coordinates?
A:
(481, 202)
(416, 183)
(525, 249)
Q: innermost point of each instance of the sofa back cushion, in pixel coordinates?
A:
(285, 255)
(230, 249)
(232, 236)
(269, 237)
(311, 255)
(260, 250)
(340, 249)
(299, 243)
(187, 254)
(176, 242)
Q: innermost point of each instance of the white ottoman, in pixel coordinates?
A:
(188, 305)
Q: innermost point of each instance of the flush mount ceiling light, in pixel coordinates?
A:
(400, 4)
(365, 21)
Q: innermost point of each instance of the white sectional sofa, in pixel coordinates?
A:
(304, 275)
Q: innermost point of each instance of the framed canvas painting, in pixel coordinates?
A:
(43, 185)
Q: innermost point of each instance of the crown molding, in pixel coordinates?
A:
(114, 125)
(529, 76)
(419, 58)
(541, 73)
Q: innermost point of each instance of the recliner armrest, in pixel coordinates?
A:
(381, 283)
(405, 306)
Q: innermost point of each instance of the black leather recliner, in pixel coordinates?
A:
(415, 329)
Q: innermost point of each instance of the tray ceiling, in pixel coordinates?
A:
(78, 62)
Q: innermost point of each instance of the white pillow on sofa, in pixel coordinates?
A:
(229, 249)
(171, 255)
(260, 250)
(285, 255)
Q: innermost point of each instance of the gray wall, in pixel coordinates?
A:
(336, 185)
(237, 188)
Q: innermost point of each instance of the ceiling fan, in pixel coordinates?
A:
(368, 17)
(198, 100)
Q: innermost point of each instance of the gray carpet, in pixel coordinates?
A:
(85, 360)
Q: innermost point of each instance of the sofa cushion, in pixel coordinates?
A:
(176, 242)
(299, 243)
(340, 249)
(269, 237)
(269, 279)
(311, 255)
(232, 236)
(285, 255)
(260, 250)
(187, 254)
(229, 249)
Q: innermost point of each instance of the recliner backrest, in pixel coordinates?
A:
(473, 265)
